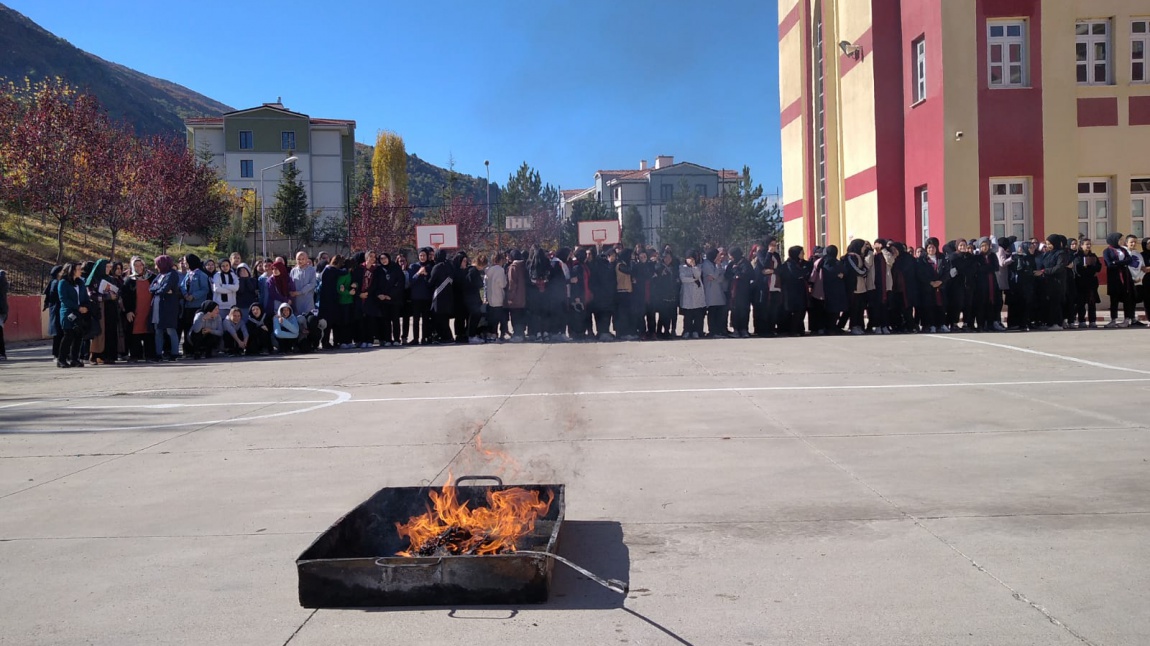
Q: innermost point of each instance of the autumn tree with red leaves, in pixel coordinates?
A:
(51, 152)
(179, 194)
(381, 225)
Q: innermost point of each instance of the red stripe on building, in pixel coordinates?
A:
(1098, 112)
(865, 42)
(1010, 121)
(793, 211)
(790, 20)
(791, 112)
(1140, 110)
(861, 183)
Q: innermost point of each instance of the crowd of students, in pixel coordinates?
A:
(104, 312)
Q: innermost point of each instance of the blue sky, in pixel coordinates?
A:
(569, 86)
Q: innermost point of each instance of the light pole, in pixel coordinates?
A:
(263, 200)
(487, 164)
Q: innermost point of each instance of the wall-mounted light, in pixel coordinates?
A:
(958, 135)
(854, 51)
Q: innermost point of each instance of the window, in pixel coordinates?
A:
(1010, 207)
(615, 193)
(287, 140)
(1092, 52)
(1139, 203)
(1094, 208)
(247, 141)
(701, 190)
(247, 168)
(667, 191)
(923, 212)
(1139, 43)
(919, 49)
(1006, 41)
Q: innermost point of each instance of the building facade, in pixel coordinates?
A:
(243, 142)
(650, 188)
(959, 118)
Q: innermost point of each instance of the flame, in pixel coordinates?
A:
(452, 527)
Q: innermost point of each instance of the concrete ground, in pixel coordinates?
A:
(960, 489)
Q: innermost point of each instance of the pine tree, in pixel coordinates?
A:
(290, 210)
(633, 232)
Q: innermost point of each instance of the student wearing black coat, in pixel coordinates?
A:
(959, 300)
(603, 293)
(987, 301)
(664, 294)
(392, 283)
(442, 297)
(741, 280)
(1056, 273)
(1087, 266)
(934, 273)
(794, 274)
(905, 291)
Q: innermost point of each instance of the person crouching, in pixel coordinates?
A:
(207, 330)
(286, 329)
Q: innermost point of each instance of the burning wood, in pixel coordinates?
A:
(452, 528)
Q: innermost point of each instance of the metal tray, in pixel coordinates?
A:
(353, 564)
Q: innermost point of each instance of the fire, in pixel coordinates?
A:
(451, 527)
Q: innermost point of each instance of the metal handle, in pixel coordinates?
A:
(436, 563)
(616, 585)
(462, 478)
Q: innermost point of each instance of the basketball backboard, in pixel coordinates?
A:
(599, 232)
(437, 236)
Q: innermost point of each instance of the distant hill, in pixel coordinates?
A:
(151, 105)
(156, 106)
(426, 182)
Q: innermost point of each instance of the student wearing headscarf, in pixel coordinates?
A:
(442, 297)
(137, 307)
(793, 275)
(714, 289)
(877, 286)
(987, 301)
(934, 274)
(906, 294)
(285, 329)
(167, 306)
(392, 282)
(280, 286)
(959, 290)
(334, 284)
(1024, 274)
(855, 277)
(624, 290)
(417, 275)
(1086, 265)
(74, 312)
(1055, 272)
(207, 331)
(539, 310)
(828, 291)
(304, 281)
(225, 285)
(52, 306)
(692, 300)
(741, 282)
(766, 290)
(603, 292)
(196, 286)
(259, 331)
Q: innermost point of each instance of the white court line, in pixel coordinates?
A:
(213, 404)
(1050, 355)
(747, 389)
(340, 398)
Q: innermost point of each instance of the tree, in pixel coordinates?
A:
(381, 225)
(526, 195)
(50, 151)
(470, 219)
(633, 232)
(180, 194)
(116, 198)
(681, 216)
(389, 168)
(587, 209)
(290, 212)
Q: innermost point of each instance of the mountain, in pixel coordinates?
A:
(156, 106)
(152, 105)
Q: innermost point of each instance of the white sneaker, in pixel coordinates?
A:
(1112, 324)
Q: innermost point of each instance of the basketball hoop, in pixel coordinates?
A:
(599, 236)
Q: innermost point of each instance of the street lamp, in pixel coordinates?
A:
(487, 164)
(263, 200)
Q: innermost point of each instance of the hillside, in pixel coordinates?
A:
(426, 182)
(152, 105)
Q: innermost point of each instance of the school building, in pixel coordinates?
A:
(913, 118)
